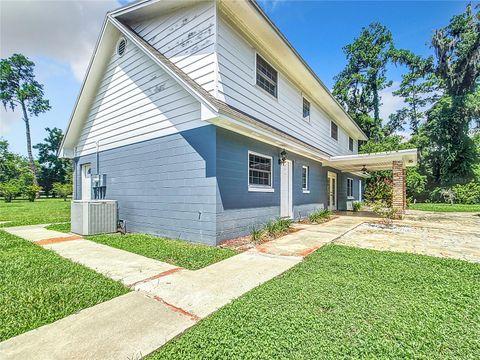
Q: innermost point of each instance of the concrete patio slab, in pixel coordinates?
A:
(120, 265)
(434, 239)
(204, 291)
(127, 327)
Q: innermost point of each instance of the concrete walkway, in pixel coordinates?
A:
(127, 327)
(117, 264)
(167, 300)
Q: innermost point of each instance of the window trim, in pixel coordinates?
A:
(257, 54)
(350, 139)
(307, 118)
(331, 124)
(306, 190)
(350, 196)
(259, 188)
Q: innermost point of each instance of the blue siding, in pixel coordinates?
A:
(165, 186)
(193, 185)
(342, 190)
(239, 210)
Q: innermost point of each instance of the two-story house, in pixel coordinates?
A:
(203, 122)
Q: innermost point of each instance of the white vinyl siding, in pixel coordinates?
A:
(187, 37)
(237, 87)
(136, 101)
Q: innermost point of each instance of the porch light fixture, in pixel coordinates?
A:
(283, 157)
(364, 170)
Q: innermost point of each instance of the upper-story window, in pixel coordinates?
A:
(350, 144)
(267, 76)
(334, 130)
(306, 109)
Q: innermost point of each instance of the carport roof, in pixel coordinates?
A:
(374, 161)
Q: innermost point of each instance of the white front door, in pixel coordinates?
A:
(332, 191)
(286, 208)
(86, 182)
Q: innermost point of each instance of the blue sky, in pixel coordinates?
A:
(317, 29)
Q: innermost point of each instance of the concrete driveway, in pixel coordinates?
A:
(450, 235)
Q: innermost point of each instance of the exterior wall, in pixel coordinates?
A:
(164, 186)
(342, 189)
(239, 210)
(136, 101)
(187, 37)
(237, 86)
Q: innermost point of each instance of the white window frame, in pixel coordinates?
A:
(350, 196)
(255, 76)
(306, 190)
(307, 118)
(259, 188)
(331, 124)
(353, 144)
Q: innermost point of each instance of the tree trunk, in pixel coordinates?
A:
(29, 144)
(376, 102)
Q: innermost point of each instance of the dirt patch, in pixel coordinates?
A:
(244, 243)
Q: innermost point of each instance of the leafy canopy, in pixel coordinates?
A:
(18, 85)
(357, 86)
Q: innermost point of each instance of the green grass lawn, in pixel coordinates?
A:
(344, 302)
(445, 207)
(62, 227)
(38, 287)
(175, 252)
(41, 211)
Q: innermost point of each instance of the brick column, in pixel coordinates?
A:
(399, 188)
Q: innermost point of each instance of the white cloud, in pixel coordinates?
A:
(271, 5)
(65, 31)
(390, 102)
(8, 119)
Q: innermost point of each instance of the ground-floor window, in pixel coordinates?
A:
(305, 175)
(259, 170)
(350, 187)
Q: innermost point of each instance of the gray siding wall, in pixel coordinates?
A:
(164, 186)
(185, 35)
(136, 101)
(237, 86)
(239, 210)
(342, 190)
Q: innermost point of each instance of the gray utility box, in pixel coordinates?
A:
(90, 217)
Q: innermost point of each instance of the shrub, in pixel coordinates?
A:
(384, 210)
(379, 189)
(9, 190)
(357, 205)
(257, 234)
(278, 227)
(468, 193)
(319, 216)
(273, 228)
(415, 184)
(62, 190)
(31, 191)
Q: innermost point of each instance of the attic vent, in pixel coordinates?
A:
(121, 46)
